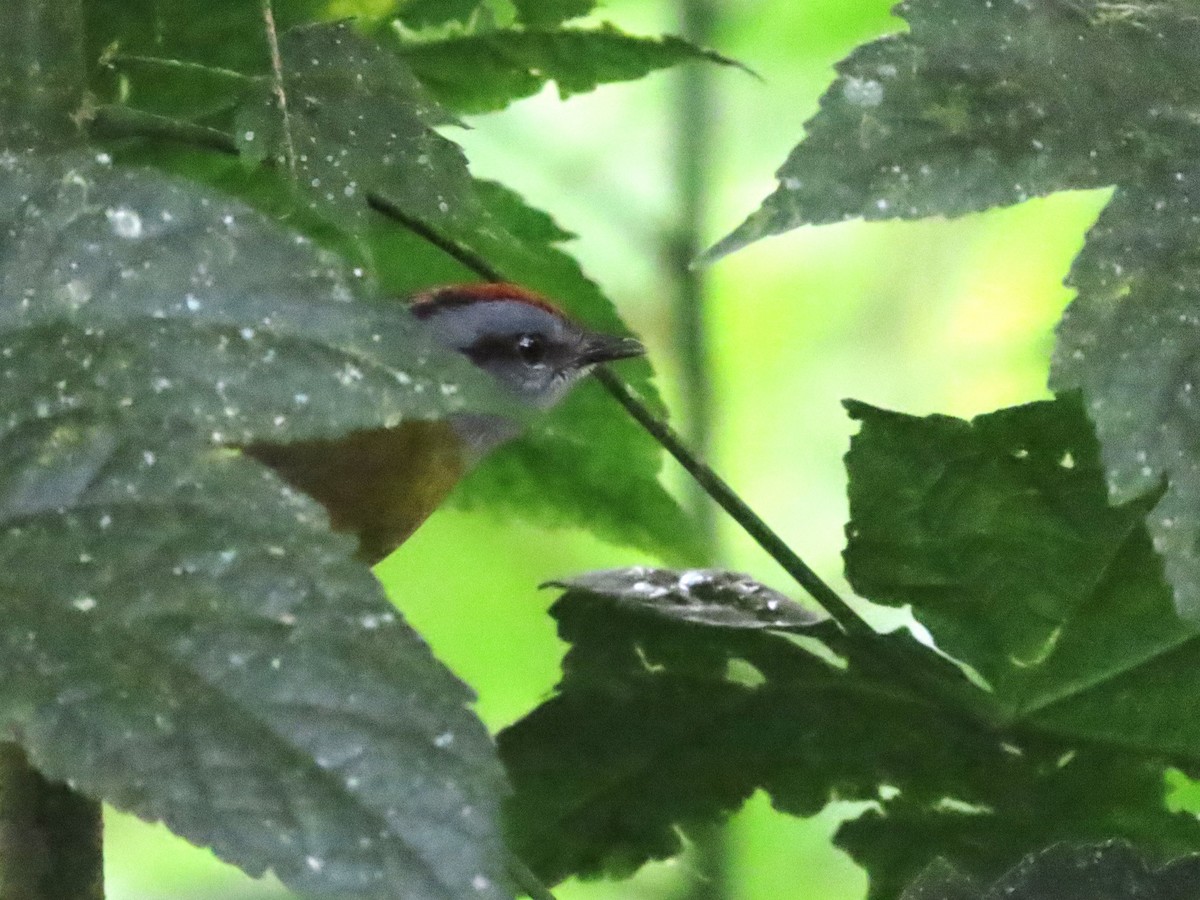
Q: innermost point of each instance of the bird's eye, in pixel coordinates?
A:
(531, 348)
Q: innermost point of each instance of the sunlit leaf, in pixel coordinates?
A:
(184, 636)
(488, 70)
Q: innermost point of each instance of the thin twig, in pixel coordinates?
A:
(716, 487)
(447, 245)
(289, 148)
(712, 483)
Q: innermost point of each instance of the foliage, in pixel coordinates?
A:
(998, 534)
(980, 105)
(206, 213)
(1065, 873)
(155, 323)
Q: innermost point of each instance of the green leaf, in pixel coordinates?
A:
(1128, 340)
(221, 35)
(996, 531)
(999, 535)
(426, 13)
(488, 70)
(353, 122)
(666, 720)
(196, 646)
(551, 12)
(980, 105)
(1063, 872)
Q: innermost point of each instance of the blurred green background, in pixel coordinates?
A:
(931, 316)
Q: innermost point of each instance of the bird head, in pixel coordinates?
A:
(519, 338)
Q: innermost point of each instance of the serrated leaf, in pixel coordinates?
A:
(998, 534)
(663, 721)
(1003, 521)
(184, 637)
(551, 12)
(488, 70)
(1089, 872)
(996, 531)
(980, 105)
(1129, 342)
(353, 122)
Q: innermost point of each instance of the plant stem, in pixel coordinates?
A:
(50, 836)
(693, 138)
(717, 488)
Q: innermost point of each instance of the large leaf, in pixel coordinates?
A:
(982, 104)
(1003, 521)
(986, 104)
(1089, 872)
(183, 636)
(998, 534)
(1129, 341)
(488, 70)
(348, 120)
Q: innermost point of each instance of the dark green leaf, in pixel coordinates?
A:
(996, 531)
(488, 70)
(424, 13)
(226, 34)
(551, 12)
(998, 534)
(184, 637)
(1110, 871)
(353, 122)
(1129, 341)
(661, 723)
(985, 104)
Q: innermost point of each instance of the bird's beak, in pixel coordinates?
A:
(602, 348)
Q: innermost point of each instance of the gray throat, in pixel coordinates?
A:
(481, 433)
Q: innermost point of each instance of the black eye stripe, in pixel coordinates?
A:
(529, 348)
